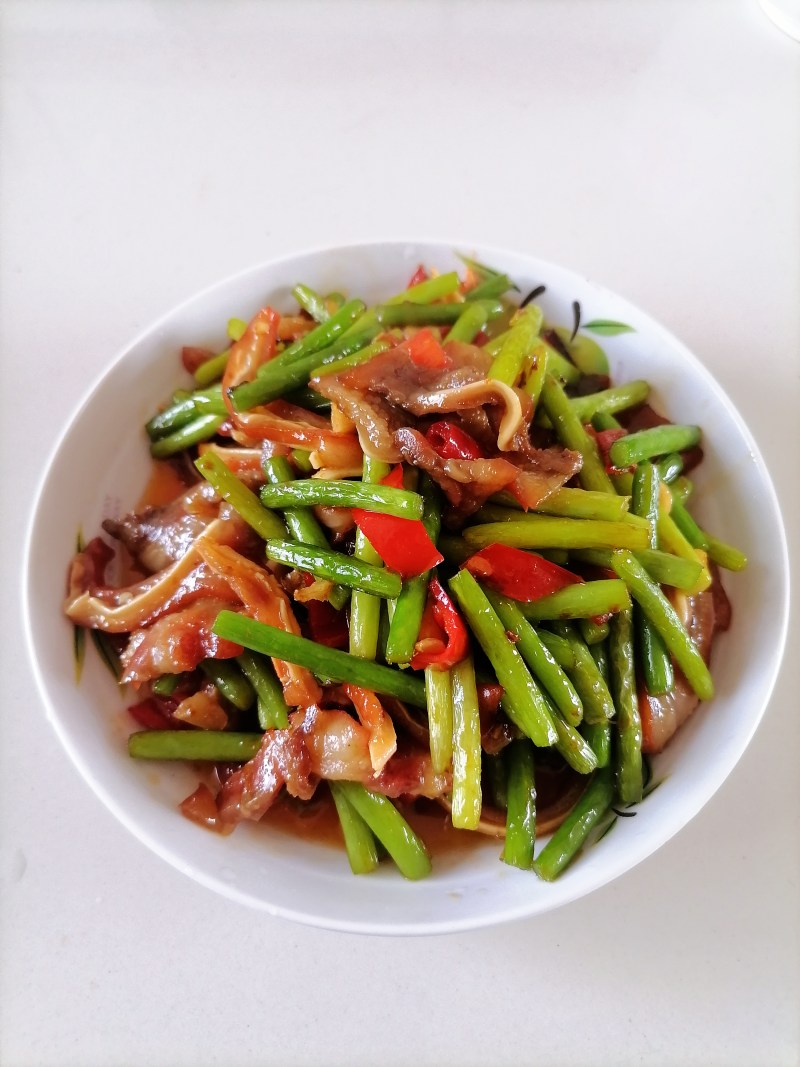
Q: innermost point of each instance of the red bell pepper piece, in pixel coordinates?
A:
(426, 350)
(403, 544)
(451, 442)
(517, 574)
(454, 644)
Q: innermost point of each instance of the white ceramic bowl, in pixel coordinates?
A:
(312, 882)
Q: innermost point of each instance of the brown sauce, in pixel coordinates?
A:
(163, 486)
(316, 820)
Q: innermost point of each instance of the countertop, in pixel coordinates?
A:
(152, 148)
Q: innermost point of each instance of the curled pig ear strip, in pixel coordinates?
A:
(476, 395)
(123, 610)
(263, 424)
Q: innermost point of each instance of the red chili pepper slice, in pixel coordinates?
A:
(600, 573)
(403, 544)
(442, 612)
(192, 357)
(155, 713)
(489, 697)
(451, 442)
(394, 479)
(326, 625)
(426, 350)
(605, 439)
(517, 574)
(419, 275)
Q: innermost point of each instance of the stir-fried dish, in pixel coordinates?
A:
(420, 556)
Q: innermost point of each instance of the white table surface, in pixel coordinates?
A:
(149, 149)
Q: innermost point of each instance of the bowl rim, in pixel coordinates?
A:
(711, 782)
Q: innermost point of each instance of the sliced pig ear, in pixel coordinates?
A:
(87, 570)
(531, 487)
(477, 395)
(384, 393)
(158, 536)
(124, 610)
(332, 449)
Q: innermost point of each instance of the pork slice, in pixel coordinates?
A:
(176, 642)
